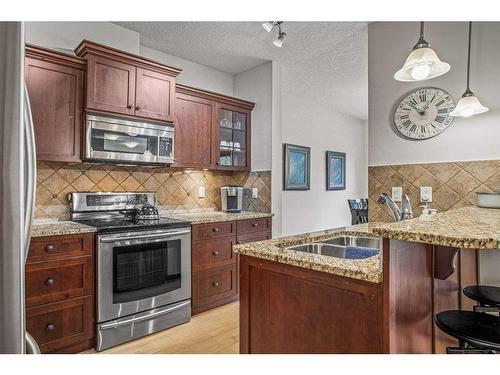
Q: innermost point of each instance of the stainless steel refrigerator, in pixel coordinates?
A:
(17, 189)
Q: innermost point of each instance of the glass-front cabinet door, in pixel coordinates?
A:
(234, 129)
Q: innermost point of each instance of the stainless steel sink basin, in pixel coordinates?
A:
(343, 247)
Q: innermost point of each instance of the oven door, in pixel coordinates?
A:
(123, 140)
(142, 271)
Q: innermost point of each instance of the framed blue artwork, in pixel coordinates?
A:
(297, 167)
(335, 170)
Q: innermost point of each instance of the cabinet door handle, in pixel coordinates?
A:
(49, 248)
(50, 327)
(129, 106)
(215, 253)
(50, 281)
(254, 225)
(215, 283)
(215, 230)
(239, 242)
(138, 108)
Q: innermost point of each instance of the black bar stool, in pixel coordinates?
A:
(487, 296)
(476, 332)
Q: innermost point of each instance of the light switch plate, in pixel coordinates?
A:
(255, 193)
(397, 193)
(425, 194)
(201, 192)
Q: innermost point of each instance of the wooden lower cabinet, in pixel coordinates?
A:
(215, 268)
(60, 293)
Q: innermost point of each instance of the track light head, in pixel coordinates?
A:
(269, 25)
(278, 42)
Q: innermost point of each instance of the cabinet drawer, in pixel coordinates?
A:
(58, 280)
(61, 324)
(212, 285)
(213, 253)
(56, 247)
(253, 225)
(252, 237)
(213, 230)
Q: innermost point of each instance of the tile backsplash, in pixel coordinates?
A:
(453, 184)
(176, 189)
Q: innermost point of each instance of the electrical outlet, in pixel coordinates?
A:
(397, 193)
(425, 194)
(255, 193)
(201, 192)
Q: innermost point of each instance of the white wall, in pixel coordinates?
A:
(309, 120)
(193, 74)
(67, 35)
(475, 138)
(255, 85)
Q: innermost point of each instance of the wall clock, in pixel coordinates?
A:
(424, 113)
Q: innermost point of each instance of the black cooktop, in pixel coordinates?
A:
(127, 225)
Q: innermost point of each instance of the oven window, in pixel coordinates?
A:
(146, 270)
(111, 141)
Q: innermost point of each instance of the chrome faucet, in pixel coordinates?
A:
(398, 214)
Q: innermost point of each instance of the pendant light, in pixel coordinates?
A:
(422, 63)
(469, 104)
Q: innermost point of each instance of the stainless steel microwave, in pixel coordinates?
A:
(125, 140)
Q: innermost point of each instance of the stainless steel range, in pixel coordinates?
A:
(143, 265)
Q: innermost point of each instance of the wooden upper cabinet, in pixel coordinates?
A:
(154, 94)
(110, 85)
(211, 130)
(55, 84)
(193, 130)
(123, 83)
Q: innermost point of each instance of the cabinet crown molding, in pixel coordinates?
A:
(50, 55)
(210, 95)
(89, 47)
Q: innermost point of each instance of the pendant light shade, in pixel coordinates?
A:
(422, 63)
(469, 104)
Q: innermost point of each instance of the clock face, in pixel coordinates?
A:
(424, 113)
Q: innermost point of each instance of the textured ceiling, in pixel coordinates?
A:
(331, 56)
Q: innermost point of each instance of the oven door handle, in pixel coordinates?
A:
(120, 323)
(109, 239)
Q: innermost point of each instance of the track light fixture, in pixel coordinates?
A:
(269, 26)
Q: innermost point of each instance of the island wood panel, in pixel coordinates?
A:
(408, 297)
(195, 117)
(288, 309)
(55, 88)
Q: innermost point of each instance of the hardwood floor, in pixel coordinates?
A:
(213, 332)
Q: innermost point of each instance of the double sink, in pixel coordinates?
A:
(345, 247)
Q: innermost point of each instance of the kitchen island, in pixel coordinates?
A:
(298, 302)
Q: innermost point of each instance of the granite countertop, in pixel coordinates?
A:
(467, 227)
(218, 216)
(47, 228)
(275, 250)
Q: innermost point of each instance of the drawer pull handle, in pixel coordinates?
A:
(215, 252)
(50, 327)
(215, 230)
(215, 283)
(50, 281)
(239, 242)
(49, 248)
(254, 225)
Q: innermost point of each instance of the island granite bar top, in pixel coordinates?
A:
(275, 250)
(468, 227)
